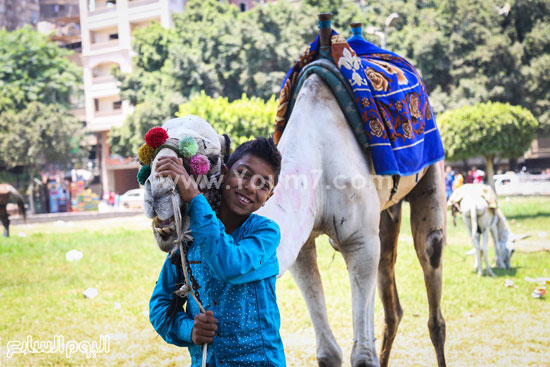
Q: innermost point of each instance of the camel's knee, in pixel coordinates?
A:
(434, 247)
(436, 325)
(393, 319)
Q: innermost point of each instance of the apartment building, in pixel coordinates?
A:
(106, 30)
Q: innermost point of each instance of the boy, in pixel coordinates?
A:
(234, 262)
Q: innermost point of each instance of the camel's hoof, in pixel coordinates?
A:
(363, 356)
(329, 362)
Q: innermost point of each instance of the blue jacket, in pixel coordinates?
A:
(237, 275)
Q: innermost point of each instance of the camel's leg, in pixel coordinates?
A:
(390, 223)
(471, 226)
(306, 274)
(5, 221)
(500, 252)
(478, 266)
(486, 253)
(428, 223)
(361, 252)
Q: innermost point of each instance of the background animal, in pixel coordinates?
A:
(8, 192)
(479, 208)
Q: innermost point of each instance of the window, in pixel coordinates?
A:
(117, 105)
(113, 36)
(96, 104)
(243, 6)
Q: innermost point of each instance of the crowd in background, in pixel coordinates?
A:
(454, 180)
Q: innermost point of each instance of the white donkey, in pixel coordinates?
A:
(480, 212)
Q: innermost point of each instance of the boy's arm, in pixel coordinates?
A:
(252, 258)
(177, 332)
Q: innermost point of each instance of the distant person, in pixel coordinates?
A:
(470, 177)
(449, 178)
(479, 176)
(458, 181)
(111, 200)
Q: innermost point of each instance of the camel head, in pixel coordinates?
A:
(200, 140)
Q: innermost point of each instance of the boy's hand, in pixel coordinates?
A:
(204, 328)
(173, 167)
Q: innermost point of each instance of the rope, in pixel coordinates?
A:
(186, 288)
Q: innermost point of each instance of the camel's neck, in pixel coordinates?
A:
(308, 142)
(294, 203)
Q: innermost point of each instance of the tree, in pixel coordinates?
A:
(242, 119)
(37, 135)
(34, 69)
(38, 85)
(488, 130)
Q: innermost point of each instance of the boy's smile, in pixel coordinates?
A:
(248, 185)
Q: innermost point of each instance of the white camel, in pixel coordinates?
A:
(480, 212)
(328, 187)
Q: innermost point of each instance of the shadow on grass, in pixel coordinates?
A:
(537, 215)
(506, 272)
(500, 272)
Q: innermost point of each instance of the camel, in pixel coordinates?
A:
(478, 205)
(7, 192)
(351, 217)
(328, 186)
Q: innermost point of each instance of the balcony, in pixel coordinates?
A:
(139, 10)
(103, 79)
(104, 45)
(136, 3)
(96, 7)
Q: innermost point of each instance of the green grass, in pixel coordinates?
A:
(487, 324)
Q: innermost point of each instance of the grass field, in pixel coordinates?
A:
(41, 296)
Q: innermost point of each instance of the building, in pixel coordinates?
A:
(106, 30)
(538, 156)
(17, 13)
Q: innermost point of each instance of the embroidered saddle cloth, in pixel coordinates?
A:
(391, 99)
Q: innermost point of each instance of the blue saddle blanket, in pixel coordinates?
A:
(391, 98)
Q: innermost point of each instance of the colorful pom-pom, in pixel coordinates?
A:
(145, 154)
(156, 137)
(188, 147)
(143, 174)
(199, 165)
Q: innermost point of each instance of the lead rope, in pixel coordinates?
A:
(186, 287)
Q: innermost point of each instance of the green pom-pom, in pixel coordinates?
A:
(143, 174)
(188, 147)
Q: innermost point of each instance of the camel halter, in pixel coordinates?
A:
(184, 236)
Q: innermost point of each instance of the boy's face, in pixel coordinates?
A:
(249, 183)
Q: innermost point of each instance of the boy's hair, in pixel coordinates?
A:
(263, 148)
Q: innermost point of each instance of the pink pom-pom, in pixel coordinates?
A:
(199, 165)
(156, 137)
